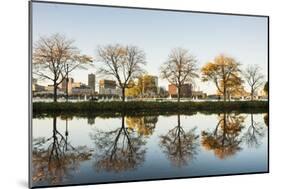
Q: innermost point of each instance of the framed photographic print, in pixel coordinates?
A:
(121, 94)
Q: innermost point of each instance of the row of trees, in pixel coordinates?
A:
(55, 57)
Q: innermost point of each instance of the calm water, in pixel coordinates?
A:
(72, 150)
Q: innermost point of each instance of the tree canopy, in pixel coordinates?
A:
(54, 57)
(123, 63)
(224, 72)
(179, 69)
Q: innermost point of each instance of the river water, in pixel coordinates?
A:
(82, 150)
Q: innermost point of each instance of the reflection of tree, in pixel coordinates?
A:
(143, 125)
(265, 118)
(179, 146)
(254, 133)
(53, 158)
(118, 150)
(91, 120)
(224, 140)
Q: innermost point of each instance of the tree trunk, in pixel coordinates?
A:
(224, 130)
(252, 119)
(252, 94)
(123, 120)
(55, 91)
(123, 94)
(224, 93)
(179, 92)
(54, 125)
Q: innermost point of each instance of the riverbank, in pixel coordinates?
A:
(149, 107)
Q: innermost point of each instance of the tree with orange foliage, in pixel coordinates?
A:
(224, 140)
(224, 72)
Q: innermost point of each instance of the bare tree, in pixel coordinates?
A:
(118, 150)
(54, 159)
(179, 69)
(254, 133)
(54, 57)
(180, 146)
(121, 62)
(254, 78)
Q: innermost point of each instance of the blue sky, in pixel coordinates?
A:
(156, 32)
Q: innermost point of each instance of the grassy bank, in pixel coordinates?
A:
(148, 107)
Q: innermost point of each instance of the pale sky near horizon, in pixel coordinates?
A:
(156, 32)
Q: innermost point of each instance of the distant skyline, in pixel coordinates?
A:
(157, 33)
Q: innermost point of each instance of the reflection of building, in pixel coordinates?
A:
(143, 125)
(92, 81)
(107, 87)
(186, 90)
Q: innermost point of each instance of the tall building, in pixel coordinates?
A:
(81, 89)
(149, 85)
(199, 94)
(69, 85)
(107, 87)
(186, 90)
(92, 81)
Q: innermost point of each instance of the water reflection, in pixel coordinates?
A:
(120, 149)
(144, 125)
(180, 146)
(225, 140)
(54, 158)
(254, 133)
(265, 118)
(141, 147)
